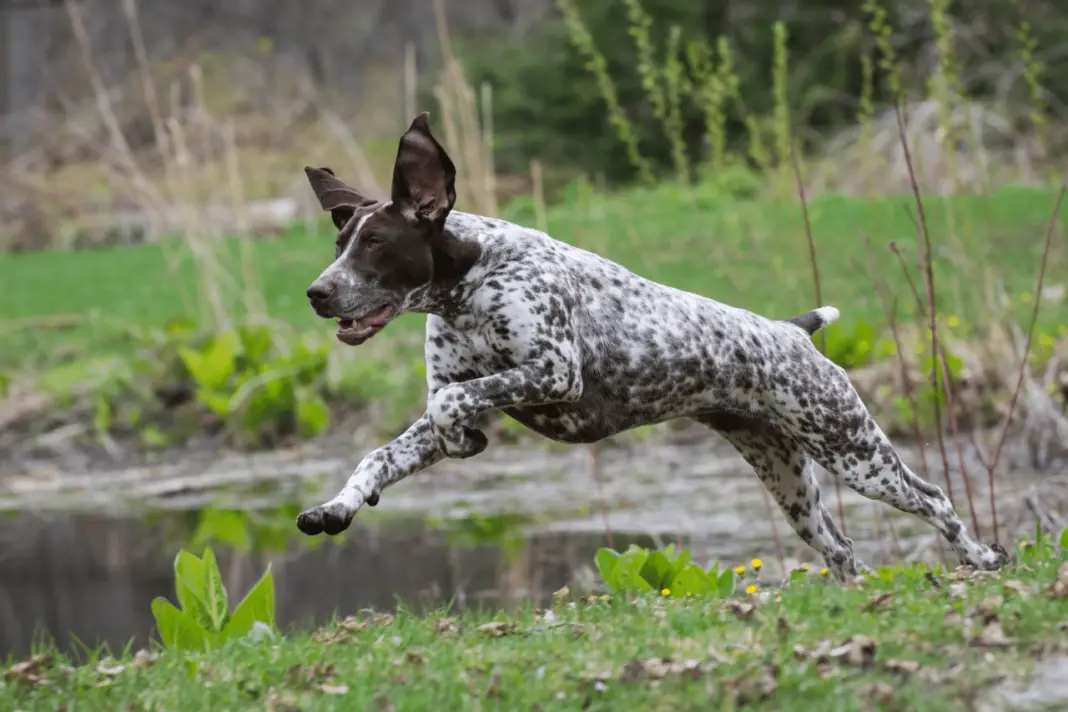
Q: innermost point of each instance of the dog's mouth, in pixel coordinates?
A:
(355, 331)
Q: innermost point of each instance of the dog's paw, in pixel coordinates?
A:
(332, 518)
(997, 557)
(463, 443)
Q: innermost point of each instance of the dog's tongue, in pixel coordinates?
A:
(376, 318)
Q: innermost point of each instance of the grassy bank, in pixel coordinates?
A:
(904, 638)
(62, 305)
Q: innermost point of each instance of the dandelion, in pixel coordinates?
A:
(666, 592)
(823, 571)
(751, 589)
(756, 564)
(953, 321)
(806, 568)
(739, 570)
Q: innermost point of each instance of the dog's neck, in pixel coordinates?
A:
(454, 254)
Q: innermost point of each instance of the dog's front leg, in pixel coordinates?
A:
(414, 450)
(454, 407)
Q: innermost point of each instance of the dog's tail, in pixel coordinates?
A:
(813, 321)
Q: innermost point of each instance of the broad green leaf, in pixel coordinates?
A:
(189, 586)
(627, 574)
(217, 402)
(681, 562)
(1064, 539)
(657, 570)
(256, 342)
(606, 560)
(177, 629)
(669, 552)
(726, 583)
(215, 594)
(224, 526)
(691, 581)
(211, 367)
(313, 415)
(256, 606)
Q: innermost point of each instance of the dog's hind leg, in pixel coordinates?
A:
(786, 471)
(839, 433)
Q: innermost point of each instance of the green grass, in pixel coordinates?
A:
(751, 254)
(904, 639)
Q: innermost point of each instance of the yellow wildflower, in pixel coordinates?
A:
(666, 592)
(756, 564)
(1025, 298)
(953, 321)
(823, 571)
(751, 589)
(739, 569)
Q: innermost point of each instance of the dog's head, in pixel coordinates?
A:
(385, 251)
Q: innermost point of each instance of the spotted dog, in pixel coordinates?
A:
(577, 348)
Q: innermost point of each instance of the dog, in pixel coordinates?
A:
(577, 348)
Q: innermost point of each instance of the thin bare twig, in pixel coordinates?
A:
(923, 241)
(822, 345)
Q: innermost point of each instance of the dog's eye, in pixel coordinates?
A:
(371, 240)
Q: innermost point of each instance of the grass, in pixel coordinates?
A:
(749, 253)
(905, 638)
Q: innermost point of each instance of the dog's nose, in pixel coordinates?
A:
(318, 291)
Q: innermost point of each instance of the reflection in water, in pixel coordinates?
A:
(92, 579)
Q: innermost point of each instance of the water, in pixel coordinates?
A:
(92, 579)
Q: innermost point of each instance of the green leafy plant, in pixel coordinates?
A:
(204, 620)
(670, 573)
(246, 531)
(260, 386)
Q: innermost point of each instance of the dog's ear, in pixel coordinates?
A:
(424, 178)
(341, 200)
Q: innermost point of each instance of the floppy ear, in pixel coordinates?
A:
(341, 200)
(424, 178)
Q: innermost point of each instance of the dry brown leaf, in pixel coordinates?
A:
(414, 658)
(958, 590)
(992, 636)
(301, 675)
(446, 626)
(782, 626)
(1059, 587)
(752, 687)
(741, 610)
(381, 619)
(987, 609)
(881, 693)
(952, 618)
(145, 659)
(110, 670)
(652, 669)
(883, 600)
(497, 629)
(907, 667)
(562, 595)
(1017, 588)
(334, 689)
(30, 671)
(341, 633)
(857, 650)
